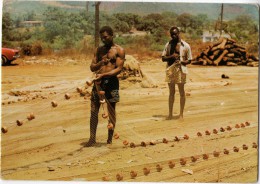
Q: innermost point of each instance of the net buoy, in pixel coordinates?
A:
(171, 164)
(54, 104)
(30, 116)
(159, 168)
(4, 129)
(133, 174)
(67, 96)
(19, 123)
(146, 171)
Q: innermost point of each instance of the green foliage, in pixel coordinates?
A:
(62, 28)
(67, 29)
(244, 28)
(7, 26)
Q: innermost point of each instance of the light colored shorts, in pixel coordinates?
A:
(174, 74)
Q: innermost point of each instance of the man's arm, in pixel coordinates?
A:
(119, 65)
(168, 58)
(95, 65)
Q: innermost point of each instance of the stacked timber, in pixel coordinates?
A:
(226, 52)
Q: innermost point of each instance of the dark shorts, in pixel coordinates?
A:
(110, 86)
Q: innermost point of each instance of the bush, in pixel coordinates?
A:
(36, 49)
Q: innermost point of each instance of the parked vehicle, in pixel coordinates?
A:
(9, 55)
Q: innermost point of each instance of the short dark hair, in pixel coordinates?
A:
(107, 29)
(174, 27)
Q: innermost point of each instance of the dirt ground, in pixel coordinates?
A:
(51, 146)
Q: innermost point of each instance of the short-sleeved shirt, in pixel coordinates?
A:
(185, 52)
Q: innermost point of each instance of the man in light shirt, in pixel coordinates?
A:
(177, 54)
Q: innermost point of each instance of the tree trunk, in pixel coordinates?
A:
(97, 23)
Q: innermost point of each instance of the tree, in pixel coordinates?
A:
(7, 26)
(62, 27)
(185, 20)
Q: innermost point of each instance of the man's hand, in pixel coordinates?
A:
(185, 62)
(99, 76)
(175, 56)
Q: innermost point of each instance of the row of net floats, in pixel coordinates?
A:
(182, 162)
(179, 138)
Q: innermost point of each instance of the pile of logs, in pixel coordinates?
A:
(226, 52)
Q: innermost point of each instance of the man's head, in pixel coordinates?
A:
(106, 35)
(175, 33)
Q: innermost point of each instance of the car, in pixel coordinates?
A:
(9, 55)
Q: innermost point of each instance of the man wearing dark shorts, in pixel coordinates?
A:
(107, 63)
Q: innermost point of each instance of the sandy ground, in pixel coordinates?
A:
(51, 146)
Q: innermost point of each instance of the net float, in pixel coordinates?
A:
(245, 147)
(132, 145)
(165, 140)
(226, 151)
(254, 145)
(199, 134)
(247, 123)
(102, 101)
(186, 137)
(229, 128)
(159, 168)
(101, 92)
(105, 178)
(30, 116)
(152, 142)
(54, 104)
(110, 126)
(133, 174)
(242, 125)
(79, 89)
(177, 138)
(116, 136)
(183, 161)
(67, 96)
(216, 154)
(4, 129)
(19, 122)
(119, 177)
(143, 144)
(207, 132)
(146, 171)
(193, 158)
(125, 142)
(89, 82)
(237, 126)
(171, 164)
(205, 156)
(222, 129)
(235, 149)
(215, 131)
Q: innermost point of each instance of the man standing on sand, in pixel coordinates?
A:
(107, 63)
(177, 54)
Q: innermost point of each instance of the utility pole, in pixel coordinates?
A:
(87, 3)
(221, 19)
(97, 23)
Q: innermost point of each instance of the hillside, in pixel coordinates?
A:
(212, 10)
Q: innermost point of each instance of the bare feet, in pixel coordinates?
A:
(169, 117)
(90, 143)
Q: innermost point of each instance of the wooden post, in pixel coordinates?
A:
(97, 23)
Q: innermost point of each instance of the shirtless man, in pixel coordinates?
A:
(107, 63)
